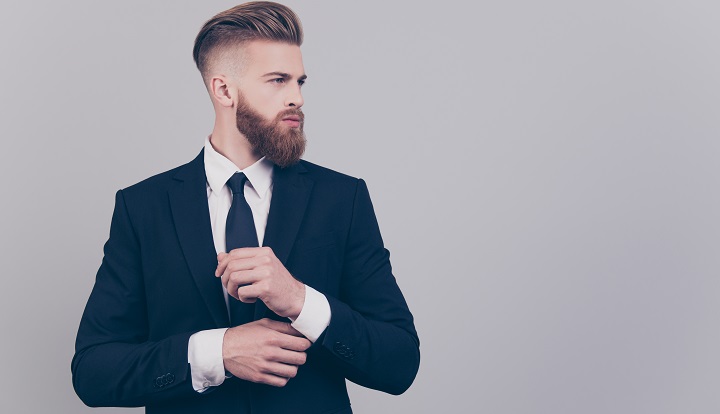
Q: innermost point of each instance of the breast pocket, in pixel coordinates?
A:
(314, 259)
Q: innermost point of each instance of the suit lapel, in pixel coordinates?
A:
(290, 195)
(189, 206)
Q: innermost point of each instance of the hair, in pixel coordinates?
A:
(256, 20)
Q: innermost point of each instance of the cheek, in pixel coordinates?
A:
(269, 103)
(262, 100)
(268, 113)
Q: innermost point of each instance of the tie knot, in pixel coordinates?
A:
(237, 183)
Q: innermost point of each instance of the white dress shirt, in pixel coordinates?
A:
(205, 347)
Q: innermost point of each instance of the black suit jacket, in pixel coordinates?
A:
(156, 287)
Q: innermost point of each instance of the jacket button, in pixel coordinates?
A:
(343, 350)
(159, 382)
(170, 378)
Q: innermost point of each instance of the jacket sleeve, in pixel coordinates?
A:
(371, 334)
(115, 364)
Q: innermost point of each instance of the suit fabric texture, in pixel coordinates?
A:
(156, 287)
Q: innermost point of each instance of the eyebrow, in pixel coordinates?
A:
(284, 75)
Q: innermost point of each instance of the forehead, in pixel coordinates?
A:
(264, 56)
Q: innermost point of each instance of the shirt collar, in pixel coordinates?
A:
(219, 169)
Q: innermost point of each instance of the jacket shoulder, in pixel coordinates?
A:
(158, 183)
(151, 185)
(320, 173)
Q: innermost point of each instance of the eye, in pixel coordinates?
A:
(301, 82)
(278, 80)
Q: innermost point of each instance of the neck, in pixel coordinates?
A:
(228, 141)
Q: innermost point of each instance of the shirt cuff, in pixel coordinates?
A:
(314, 316)
(205, 359)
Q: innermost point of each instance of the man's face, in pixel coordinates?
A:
(269, 100)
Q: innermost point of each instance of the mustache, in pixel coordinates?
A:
(292, 112)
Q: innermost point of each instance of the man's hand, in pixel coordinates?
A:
(264, 351)
(251, 273)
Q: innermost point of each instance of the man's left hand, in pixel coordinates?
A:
(252, 273)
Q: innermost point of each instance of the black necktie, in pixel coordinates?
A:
(239, 232)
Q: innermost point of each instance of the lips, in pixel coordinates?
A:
(293, 121)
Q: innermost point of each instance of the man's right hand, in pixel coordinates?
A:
(264, 351)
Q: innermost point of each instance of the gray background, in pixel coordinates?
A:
(545, 175)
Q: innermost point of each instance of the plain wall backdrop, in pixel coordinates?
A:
(545, 175)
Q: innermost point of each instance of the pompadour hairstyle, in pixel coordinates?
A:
(248, 21)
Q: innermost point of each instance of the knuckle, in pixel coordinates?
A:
(231, 275)
(273, 340)
(261, 355)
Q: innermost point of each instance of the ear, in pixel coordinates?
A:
(222, 92)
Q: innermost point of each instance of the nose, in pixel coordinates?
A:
(294, 98)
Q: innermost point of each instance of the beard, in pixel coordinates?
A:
(271, 139)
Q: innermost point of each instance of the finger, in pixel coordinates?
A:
(221, 258)
(229, 286)
(273, 380)
(242, 295)
(292, 343)
(239, 253)
(248, 293)
(250, 279)
(236, 265)
(282, 370)
(247, 272)
(233, 281)
(240, 278)
(290, 357)
(244, 253)
(282, 327)
(232, 285)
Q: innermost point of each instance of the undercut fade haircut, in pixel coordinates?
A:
(256, 20)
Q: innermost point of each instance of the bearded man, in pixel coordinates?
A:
(189, 314)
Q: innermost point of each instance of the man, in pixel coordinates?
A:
(176, 324)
